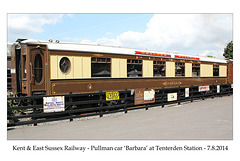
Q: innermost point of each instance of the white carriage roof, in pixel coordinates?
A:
(118, 50)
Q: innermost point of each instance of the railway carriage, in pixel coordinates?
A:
(54, 68)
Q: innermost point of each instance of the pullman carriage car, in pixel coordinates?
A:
(54, 68)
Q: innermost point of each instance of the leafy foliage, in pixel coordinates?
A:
(228, 51)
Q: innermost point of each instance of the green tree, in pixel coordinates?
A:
(228, 51)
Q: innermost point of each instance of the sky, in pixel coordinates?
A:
(193, 34)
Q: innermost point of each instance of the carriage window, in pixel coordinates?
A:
(38, 68)
(64, 65)
(134, 68)
(101, 67)
(159, 68)
(179, 69)
(216, 70)
(196, 70)
(24, 67)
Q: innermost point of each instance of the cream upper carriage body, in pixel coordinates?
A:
(50, 66)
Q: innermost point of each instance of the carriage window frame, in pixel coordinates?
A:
(134, 64)
(216, 70)
(38, 68)
(65, 65)
(179, 72)
(100, 63)
(157, 67)
(195, 69)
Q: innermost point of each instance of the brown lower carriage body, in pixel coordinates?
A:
(95, 85)
(25, 82)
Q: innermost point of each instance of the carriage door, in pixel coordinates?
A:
(37, 69)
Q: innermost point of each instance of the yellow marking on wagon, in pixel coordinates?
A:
(112, 96)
